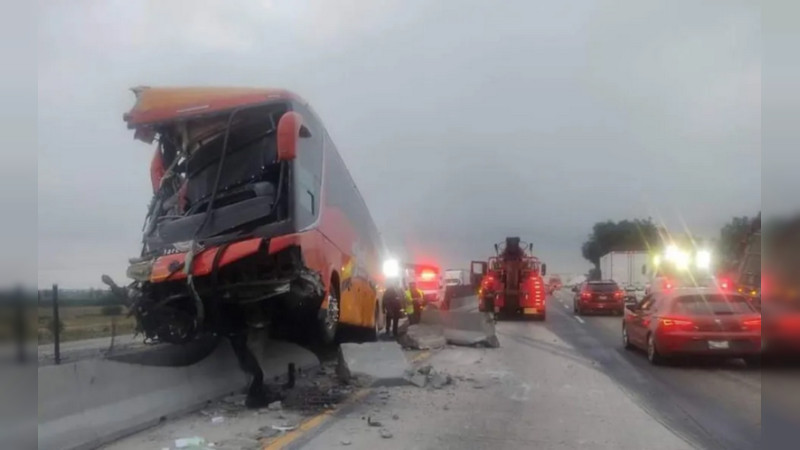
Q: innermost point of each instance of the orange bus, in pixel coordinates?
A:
(255, 220)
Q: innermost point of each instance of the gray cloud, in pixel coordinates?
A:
(462, 122)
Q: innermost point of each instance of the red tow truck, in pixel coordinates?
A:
(511, 283)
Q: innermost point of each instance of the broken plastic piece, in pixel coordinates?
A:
(189, 442)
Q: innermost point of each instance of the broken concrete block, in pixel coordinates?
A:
(439, 380)
(383, 363)
(423, 337)
(386, 434)
(463, 328)
(417, 379)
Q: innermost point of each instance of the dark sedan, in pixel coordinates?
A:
(599, 296)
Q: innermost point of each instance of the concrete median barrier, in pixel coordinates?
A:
(88, 403)
(382, 363)
(463, 327)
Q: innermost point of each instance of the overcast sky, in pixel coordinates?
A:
(461, 121)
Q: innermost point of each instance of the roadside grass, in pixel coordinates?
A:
(83, 322)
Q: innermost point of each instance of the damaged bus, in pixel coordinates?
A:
(255, 221)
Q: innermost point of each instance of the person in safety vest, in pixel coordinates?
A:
(414, 301)
(393, 307)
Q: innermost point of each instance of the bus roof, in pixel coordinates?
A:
(155, 105)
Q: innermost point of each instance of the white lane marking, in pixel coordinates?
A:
(578, 318)
(565, 306)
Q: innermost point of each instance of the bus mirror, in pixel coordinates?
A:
(544, 269)
(290, 128)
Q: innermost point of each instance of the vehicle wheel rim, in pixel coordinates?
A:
(625, 335)
(332, 315)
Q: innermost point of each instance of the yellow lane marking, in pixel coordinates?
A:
(309, 424)
(319, 419)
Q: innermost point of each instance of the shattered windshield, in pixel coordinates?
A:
(230, 163)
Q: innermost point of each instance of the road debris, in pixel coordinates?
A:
(373, 423)
(423, 337)
(217, 420)
(426, 375)
(275, 406)
(438, 380)
(284, 429)
(395, 417)
(189, 442)
(345, 442)
(382, 363)
(386, 434)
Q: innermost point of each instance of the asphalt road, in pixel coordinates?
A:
(544, 388)
(568, 383)
(715, 404)
(565, 383)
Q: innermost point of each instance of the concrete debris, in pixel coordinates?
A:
(439, 380)
(283, 428)
(464, 328)
(217, 420)
(418, 379)
(426, 375)
(423, 337)
(345, 442)
(373, 423)
(386, 434)
(382, 362)
(268, 432)
(275, 406)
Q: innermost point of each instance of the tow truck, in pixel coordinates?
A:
(511, 282)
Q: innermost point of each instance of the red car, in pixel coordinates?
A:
(696, 321)
(599, 296)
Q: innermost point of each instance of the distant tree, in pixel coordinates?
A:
(732, 241)
(625, 235)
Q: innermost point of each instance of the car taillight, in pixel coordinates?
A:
(618, 295)
(428, 275)
(751, 324)
(586, 295)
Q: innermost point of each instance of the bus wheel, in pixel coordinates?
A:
(329, 320)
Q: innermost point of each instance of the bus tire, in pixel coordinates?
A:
(328, 321)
